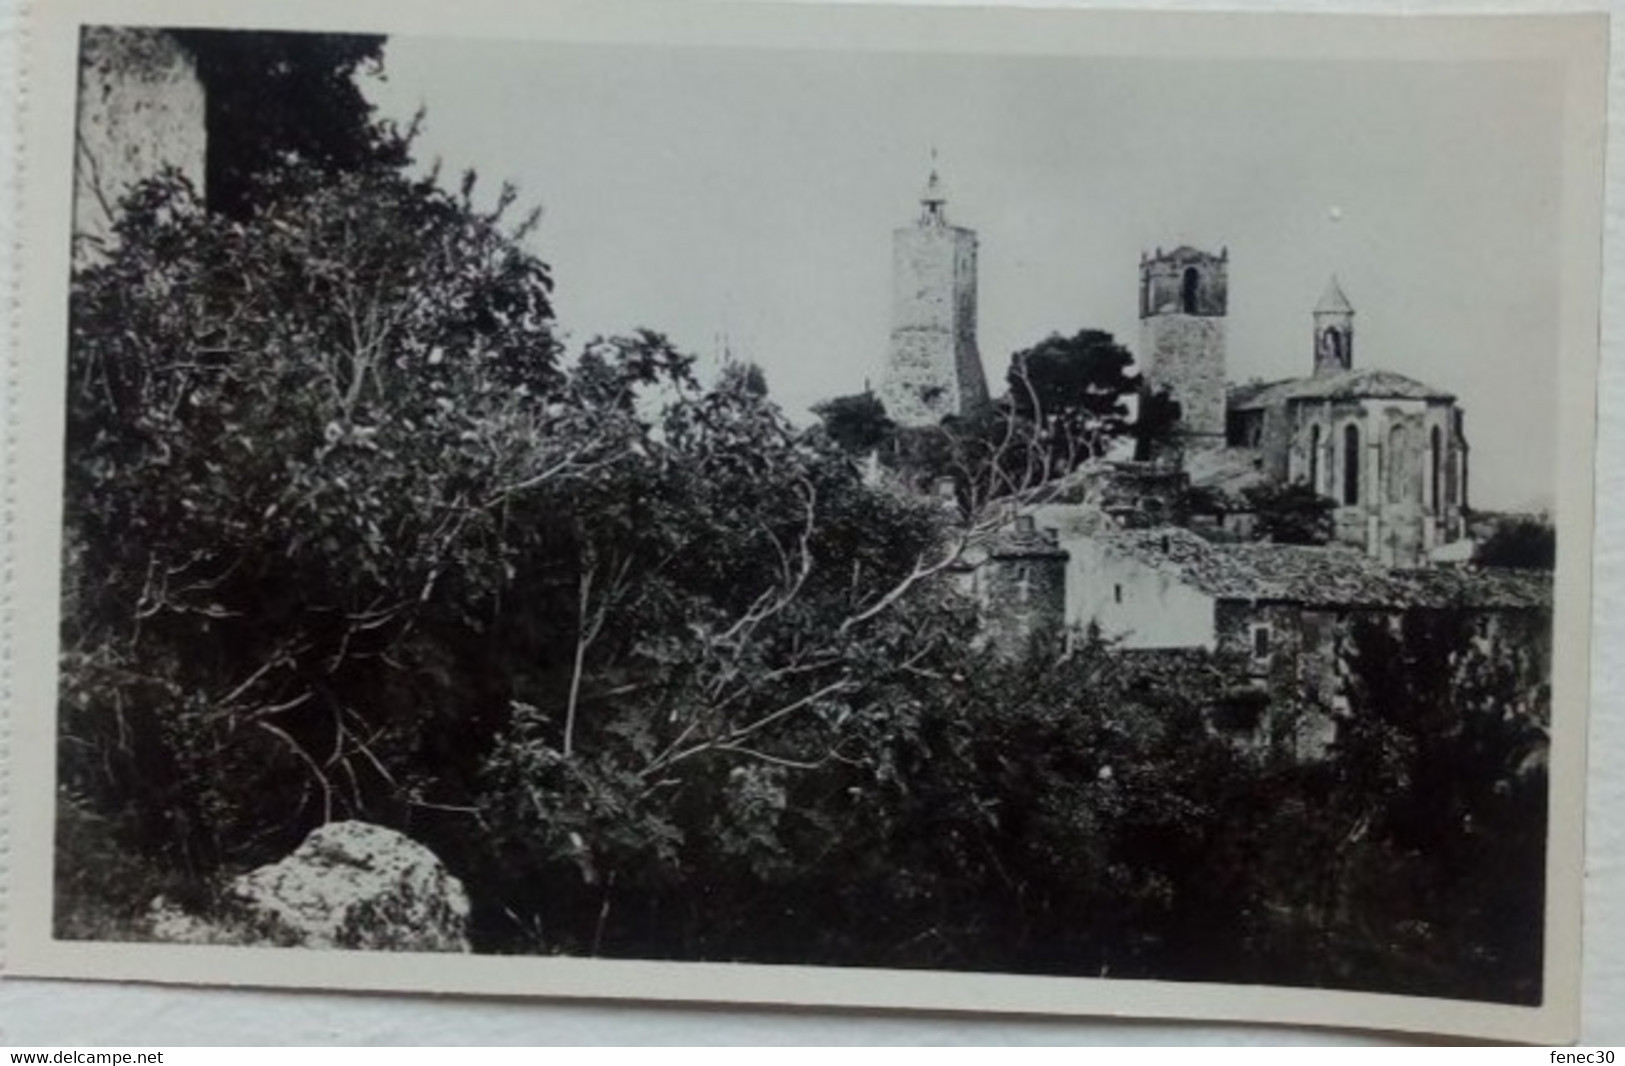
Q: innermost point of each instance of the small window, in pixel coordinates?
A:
(1435, 467)
(1399, 466)
(1351, 466)
(1117, 593)
(1261, 642)
(1314, 457)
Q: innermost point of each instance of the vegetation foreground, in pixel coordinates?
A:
(658, 674)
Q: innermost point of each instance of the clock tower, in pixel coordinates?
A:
(933, 369)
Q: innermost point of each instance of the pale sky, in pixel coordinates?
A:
(751, 194)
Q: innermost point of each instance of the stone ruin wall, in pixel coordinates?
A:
(141, 109)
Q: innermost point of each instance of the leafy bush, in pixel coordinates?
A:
(1291, 513)
(1523, 543)
(658, 675)
(296, 448)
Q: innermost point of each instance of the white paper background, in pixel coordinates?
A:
(51, 1013)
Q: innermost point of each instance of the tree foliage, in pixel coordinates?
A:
(657, 673)
(1155, 424)
(272, 98)
(1438, 799)
(1291, 513)
(1521, 543)
(858, 423)
(1074, 389)
(295, 445)
(366, 545)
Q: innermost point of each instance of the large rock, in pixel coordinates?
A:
(355, 885)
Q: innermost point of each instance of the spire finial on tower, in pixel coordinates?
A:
(1334, 330)
(1333, 301)
(933, 198)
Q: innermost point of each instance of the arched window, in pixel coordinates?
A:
(1327, 346)
(1398, 462)
(1314, 457)
(1435, 467)
(1351, 465)
(1187, 290)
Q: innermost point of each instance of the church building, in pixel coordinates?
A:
(1388, 449)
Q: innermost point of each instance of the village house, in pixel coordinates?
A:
(1018, 579)
(1284, 612)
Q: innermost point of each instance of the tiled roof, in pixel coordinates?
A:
(1483, 586)
(1366, 384)
(1256, 395)
(1329, 576)
(1346, 385)
(1229, 470)
(1309, 575)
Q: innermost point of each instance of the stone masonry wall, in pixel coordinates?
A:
(1306, 672)
(1162, 285)
(141, 109)
(1394, 519)
(1185, 354)
(1025, 596)
(934, 368)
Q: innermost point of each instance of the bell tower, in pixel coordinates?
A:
(934, 369)
(1334, 331)
(1184, 298)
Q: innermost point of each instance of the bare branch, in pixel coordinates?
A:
(583, 638)
(316, 771)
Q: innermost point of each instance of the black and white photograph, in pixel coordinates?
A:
(898, 500)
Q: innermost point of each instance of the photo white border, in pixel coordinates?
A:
(36, 463)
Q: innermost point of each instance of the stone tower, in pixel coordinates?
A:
(1334, 331)
(1024, 586)
(1183, 301)
(934, 369)
(141, 110)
